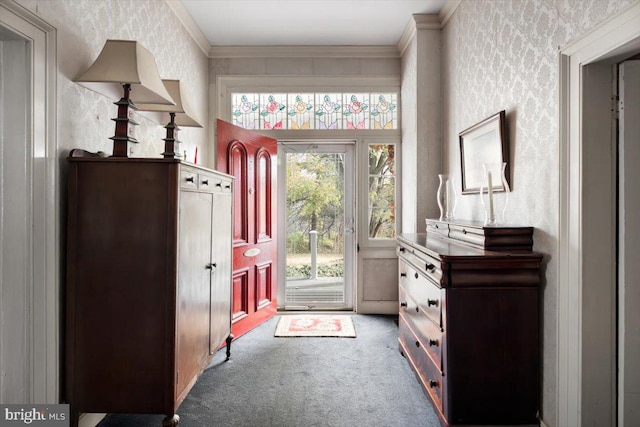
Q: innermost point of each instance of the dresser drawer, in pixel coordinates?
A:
(424, 292)
(427, 265)
(429, 374)
(188, 179)
(427, 332)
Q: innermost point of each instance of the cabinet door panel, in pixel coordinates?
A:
(221, 275)
(193, 293)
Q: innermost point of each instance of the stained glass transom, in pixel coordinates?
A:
(324, 110)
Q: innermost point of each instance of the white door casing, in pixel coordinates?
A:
(29, 327)
(619, 34)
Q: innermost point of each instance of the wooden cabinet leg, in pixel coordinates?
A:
(228, 341)
(171, 420)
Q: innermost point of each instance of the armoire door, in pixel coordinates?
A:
(251, 159)
(193, 292)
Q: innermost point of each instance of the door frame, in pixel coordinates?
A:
(322, 146)
(42, 308)
(618, 35)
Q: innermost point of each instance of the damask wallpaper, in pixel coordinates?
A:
(83, 26)
(503, 55)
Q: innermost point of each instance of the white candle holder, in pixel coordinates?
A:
(447, 197)
(494, 193)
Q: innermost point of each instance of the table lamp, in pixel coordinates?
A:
(126, 68)
(180, 114)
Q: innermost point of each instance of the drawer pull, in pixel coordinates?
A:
(430, 266)
(211, 266)
(205, 182)
(403, 274)
(402, 250)
(434, 383)
(417, 343)
(219, 184)
(433, 343)
(416, 275)
(417, 309)
(403, 304)
(189, 179)
(437, 226)
(228, 186)
(432, 302)
(464, 231)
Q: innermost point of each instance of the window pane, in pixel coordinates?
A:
(382, 223)
(273, 109)
(328, 111)
(382, 191)
(384, 114)
(245, 110)
(356, 110)
(300, 111)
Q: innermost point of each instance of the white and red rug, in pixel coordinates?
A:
(315, 325)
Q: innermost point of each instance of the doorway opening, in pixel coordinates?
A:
(319, 225)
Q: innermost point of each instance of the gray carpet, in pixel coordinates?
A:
(305, 382)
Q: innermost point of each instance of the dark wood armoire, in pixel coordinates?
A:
(148, 292)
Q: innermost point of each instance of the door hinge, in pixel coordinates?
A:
(616, 106)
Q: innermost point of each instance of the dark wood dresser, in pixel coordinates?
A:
(470, 319)
(148, 294)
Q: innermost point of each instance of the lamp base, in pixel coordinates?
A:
(171, 141)
(124, 125)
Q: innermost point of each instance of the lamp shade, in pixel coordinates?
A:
(126, 62)
(184, 114)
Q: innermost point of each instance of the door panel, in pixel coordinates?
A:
(251, 159)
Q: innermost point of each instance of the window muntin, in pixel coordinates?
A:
(323, 110)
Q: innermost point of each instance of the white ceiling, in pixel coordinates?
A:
(306, 22)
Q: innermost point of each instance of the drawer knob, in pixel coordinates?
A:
(464, 231)
(205, 182)
(433, 383)
(430, 266)
(189, 179)
(403, 274)
(433, 343)
(417, 343)
(417, 309)
(437, 226)
(432, 302)
(401, 249)
(403, 304)
(416, 275)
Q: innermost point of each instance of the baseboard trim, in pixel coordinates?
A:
(90, 420)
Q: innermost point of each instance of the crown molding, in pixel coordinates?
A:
(303, 52)
(417, 22)
(189, 24)
(447, 11)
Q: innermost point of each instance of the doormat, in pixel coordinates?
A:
(315, 325)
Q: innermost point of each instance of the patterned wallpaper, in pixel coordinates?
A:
(84, 116)
(503, 55)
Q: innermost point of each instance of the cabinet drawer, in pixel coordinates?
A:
(188, 179)
(427, 332)
(207, 182)
(429, 374)
(428, 297)
(427, 265)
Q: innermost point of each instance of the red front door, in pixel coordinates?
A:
(251, 159)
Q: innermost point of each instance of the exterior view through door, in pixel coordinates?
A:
(319, 225)
(251, 159)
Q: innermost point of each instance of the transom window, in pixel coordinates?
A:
(323, 111)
